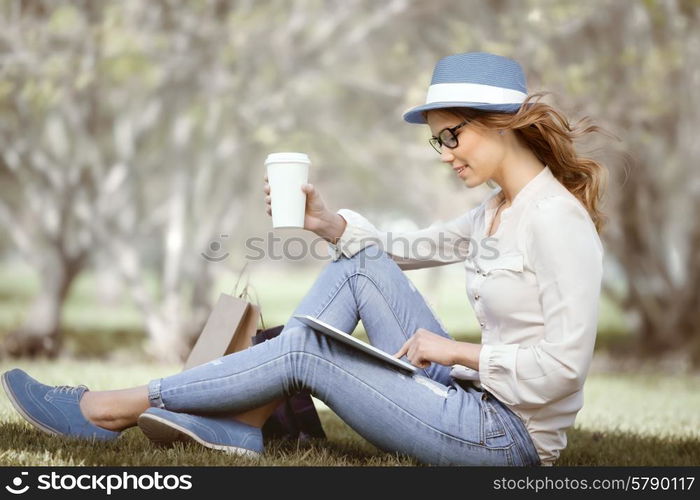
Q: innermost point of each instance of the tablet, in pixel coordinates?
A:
(331, 331)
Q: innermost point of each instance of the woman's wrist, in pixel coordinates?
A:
(334, 229)
(467, 354)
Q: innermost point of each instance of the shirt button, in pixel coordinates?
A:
(478, 271)
(482, 325)
(476, 297)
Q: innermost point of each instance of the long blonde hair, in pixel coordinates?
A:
(550, 137)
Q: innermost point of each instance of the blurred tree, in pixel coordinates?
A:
(231, 84)
(51, 165)
(139, 129)
(156, 118)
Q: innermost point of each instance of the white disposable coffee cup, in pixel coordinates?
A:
(286, 173)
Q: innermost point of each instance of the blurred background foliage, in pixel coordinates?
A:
(133, 135)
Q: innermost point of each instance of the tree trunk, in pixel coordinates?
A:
(40, 334)
(165, 340)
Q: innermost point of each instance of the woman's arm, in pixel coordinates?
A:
(440, 244)
(425, 347)
(347, 233)
(333, 229)
(467, 354)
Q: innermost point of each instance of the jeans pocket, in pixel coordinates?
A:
(493, 429)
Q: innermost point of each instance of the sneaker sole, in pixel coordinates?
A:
(20, 410)
(162, 431)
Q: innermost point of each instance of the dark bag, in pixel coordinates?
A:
(296, 417)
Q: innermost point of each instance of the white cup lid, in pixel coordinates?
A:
(287, 158)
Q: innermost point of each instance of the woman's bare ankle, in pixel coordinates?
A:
(93, 411)
(112, 410)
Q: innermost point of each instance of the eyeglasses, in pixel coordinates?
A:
(447, 138)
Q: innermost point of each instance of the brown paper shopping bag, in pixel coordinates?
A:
(231, 327)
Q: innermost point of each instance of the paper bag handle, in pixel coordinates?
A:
(245, 293)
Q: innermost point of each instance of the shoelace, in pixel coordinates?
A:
(69, 389)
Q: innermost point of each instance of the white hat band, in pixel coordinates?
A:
(473, 92)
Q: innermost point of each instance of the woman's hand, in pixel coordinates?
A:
(317, 218)
(425, 347)
(317, 215)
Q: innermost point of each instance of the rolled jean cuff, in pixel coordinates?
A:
(154, 398)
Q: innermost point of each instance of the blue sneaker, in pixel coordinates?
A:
(163, 427)
(52, 409)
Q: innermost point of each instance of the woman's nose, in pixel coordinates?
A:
(446, 155)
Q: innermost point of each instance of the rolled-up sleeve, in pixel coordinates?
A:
(566, 255)
(440, 244)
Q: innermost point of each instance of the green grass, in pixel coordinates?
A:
(628, 419)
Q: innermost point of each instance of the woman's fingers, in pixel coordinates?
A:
(412, 355)
(268, 199)
(403, 350)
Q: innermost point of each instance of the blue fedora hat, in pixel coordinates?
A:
(476, 80)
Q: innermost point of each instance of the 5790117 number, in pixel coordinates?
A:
(661, 483)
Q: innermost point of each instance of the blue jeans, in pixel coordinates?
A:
(429, 415)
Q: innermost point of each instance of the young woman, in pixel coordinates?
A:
(533, 262)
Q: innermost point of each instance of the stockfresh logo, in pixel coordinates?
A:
(16, 488)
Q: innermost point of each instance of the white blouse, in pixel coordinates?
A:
(535, 288)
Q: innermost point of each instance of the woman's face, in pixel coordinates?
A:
(478, 154)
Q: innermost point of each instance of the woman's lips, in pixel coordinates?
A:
(459, 170)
